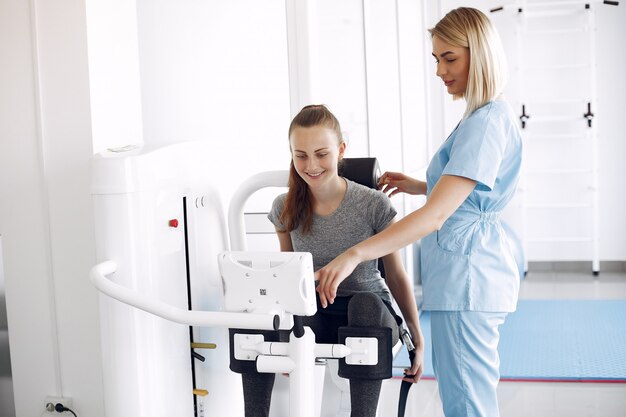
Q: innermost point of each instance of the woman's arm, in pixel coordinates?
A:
(402, 291)
(284, 239)
(447, 195)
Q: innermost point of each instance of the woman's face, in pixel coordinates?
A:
(315, 152)
(452, 65)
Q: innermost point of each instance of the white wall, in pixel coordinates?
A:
(45, 210)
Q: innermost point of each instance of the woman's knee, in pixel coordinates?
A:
(367, 309)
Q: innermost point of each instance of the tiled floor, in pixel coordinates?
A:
(537, 399)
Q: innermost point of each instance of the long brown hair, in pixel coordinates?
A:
(298, 209)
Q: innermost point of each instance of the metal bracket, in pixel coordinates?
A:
(244, 346)
(364, 351)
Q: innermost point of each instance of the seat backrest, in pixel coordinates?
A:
(364, 171)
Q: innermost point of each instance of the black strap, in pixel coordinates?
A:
(404, 389)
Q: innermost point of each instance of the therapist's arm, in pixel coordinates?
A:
(392, 183)
(447, 195)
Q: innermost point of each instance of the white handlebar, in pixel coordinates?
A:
(98, 276)
(246, 189)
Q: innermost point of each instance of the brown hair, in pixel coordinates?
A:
(298, 209)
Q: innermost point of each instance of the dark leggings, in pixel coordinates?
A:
(360, 310)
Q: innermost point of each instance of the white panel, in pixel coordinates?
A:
(303, 52)
(207, 237)
(65, 149)
(611, 93)
(261, 201)
(258, 242)
(342, 84)
(217, 71)
(134, 341)
(412, 37)
(115, 89)
(136, 196)
(258, 223)
(383, 84)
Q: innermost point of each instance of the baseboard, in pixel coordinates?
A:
(575, 266)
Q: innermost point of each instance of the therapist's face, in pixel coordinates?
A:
(452, 65)
(316, 151)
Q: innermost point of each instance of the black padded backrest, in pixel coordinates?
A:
(364, 171)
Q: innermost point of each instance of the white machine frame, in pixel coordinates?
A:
(248, 278)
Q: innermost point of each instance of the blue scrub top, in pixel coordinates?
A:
(469, 265)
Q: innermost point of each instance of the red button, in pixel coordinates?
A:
(173, 223)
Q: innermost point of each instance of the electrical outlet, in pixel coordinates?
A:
(66, 401)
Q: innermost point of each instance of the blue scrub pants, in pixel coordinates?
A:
(466, 361)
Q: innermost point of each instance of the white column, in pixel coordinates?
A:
(303, 53)
(114, 78)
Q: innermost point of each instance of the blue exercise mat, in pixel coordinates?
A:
(554, 340)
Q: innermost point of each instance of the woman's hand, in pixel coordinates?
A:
(392, 183)
(333, 274)
(414, 374)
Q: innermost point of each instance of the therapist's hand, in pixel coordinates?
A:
(333, 274)
(392, 183)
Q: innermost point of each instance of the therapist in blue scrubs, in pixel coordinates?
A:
(469, 275)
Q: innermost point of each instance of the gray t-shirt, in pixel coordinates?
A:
(362, 213)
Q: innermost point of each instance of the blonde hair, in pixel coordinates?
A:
(470, 28)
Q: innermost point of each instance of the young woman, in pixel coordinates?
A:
(324, 214)
(469, 275)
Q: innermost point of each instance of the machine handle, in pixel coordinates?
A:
(259, 181)
(98, 276)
